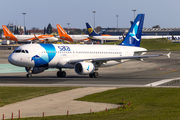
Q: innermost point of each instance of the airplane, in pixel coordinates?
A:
(169, 37)
(84, 59)
(97, 37)
(27, 38)
(72, 38)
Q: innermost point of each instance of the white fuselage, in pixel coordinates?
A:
(29, 38)
(79, 38)
(169, 37)
(108, 38)
(59, 55)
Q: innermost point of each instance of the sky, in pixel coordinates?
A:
(39, 13)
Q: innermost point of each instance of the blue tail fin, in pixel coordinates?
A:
(133, 38)
(90, 30)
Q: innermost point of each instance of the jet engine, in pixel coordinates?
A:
(35, 70)
(84, 68)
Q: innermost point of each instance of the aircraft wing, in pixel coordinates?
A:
(117, 58)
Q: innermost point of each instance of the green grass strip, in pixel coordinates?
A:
(10, 95)
(154, 44)
(146, 104)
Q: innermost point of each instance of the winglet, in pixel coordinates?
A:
(168, 55)
(35, 37)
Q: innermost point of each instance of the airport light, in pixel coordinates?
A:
(24, 18)
(94, 18)
(134, 13)
(24, 22)
(68, 26)
(117, 20)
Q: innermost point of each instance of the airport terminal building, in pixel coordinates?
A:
(147, 31)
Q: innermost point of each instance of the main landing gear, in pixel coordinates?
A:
(94, 75)
(61, 73)
(29, 70)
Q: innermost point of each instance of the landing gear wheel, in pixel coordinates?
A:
(61, 74)
(95, 74)
(29, 75)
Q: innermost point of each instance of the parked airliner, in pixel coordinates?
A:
(27, 38)
(85, 59)
(102, 38)
(72, 38)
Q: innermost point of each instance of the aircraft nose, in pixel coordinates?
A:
(12, 59)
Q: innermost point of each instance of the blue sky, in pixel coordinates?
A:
(77, 12)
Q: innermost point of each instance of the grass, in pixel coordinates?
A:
(154, 44)
(14, 94)
(146, 104)
(159, 44)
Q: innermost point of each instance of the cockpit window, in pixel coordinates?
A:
(17, 51)
(26, 51)
(20, 51)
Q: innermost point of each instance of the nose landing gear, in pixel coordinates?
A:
(29, 70)
(29, 75)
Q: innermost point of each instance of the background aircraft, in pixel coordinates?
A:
(85, 59)
(169, 37)
(72, 38)
(102, 38)
(27, 38)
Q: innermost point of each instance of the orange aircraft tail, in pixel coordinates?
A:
(61, 31)
(62, 34)
(8, 34)
(6, 31)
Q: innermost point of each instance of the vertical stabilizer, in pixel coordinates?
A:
(90, 30)
(8, 35)
(133, 38)
(61, 31)
(6, 31)
(62, 34)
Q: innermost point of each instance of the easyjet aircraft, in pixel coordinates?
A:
(72, 38)
(27, 38)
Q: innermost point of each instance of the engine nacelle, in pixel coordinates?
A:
(35, 70)
(84, 68)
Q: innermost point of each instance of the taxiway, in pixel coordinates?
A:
(132, 73)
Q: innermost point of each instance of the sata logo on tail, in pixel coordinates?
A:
(134, 33)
